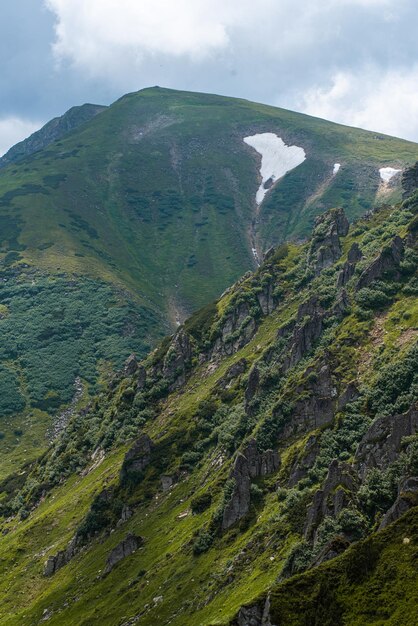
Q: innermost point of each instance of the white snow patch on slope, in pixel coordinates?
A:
(386, 173)
(336, 168)
(276, 159)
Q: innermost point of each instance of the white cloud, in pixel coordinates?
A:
(13, 130)
(383, 101)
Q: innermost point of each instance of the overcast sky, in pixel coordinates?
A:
(352, 61)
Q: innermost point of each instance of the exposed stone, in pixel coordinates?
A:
(177, 360)
(137, 458)
(350, 394)
(254, 615)
(410, 181)
(310, 317)
(125, 514)
(131, 365)
(251, 464)
(385, 265)
(332, 549)
(232, 373)
(407, 498)
(166, 482)
(337, 492)
(354, 255)
(252, 385)
(125, 548)
(141, 378)
(325, 245)
(266, 299)
(55, 562)
(381, 444)
(304, 462)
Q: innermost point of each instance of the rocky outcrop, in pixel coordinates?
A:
(266, 299)
(354, 255)
(177, 360)
(386, 265)
(304, 461)
(232, 373)
(381, 444)
(410, 181)
(125, 548)
(137, 458)
(332, 549)
(318, 402)
(325, 245)
(141, 378)
(248, 465)
(307, 331)
(131, 365)
(255, 615)
(56, 561)
(407, 498)
(337, 492)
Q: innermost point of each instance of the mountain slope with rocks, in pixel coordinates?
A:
(258, 467)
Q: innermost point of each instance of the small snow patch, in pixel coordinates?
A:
(336, 168)
(276, 159)
(386, 173)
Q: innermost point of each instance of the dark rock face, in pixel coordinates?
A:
(251, 464)
(255, 615)
(385, 265)
(301, 466)
(407, 498)
(141, 378)
(334, 496)
(131, 365)
(308, 330)
(53, 130)
(318, 404)
(232, 373)
(55, 562)
(137, 458)
(266, 299)
(381, 444)
(333, 548)
(177, 360)
(325, 247)
(410, 181)
(354, 255)
(125, 548)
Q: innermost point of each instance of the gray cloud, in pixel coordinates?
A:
(353, 61)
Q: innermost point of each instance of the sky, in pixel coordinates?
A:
(350, 61)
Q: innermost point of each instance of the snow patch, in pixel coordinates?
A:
(386, 173)
(276, 159)
(336, 168)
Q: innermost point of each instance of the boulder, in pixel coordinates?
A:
(55, 562)
(125, 548)
(131, 365)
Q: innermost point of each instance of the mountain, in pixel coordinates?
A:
(131, 220)
(52, 131)
(258, 467)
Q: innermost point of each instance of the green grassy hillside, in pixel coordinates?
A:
(148, 212)
(241, 450)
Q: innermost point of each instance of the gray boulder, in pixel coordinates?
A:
(125, 548)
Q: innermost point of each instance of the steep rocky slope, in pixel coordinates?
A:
(115, 227)
(274, 432)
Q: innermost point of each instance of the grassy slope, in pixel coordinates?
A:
(205, 589)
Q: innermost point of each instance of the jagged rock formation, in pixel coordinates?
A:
(125, 548)
(336, 493)
(137, 458)
(56, 561)
(248, 465)
(177, 360)
(410, 181)
(382, 442)
(254, 615)
(407, 498)
(325, 246)
(354, 255)
(386, 264)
